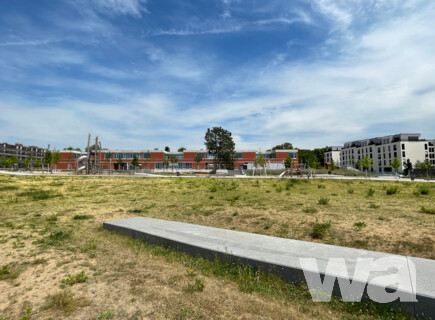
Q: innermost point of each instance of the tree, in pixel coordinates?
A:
(173, 162)
(425, 166)
(305, 155)
(5, 162)
(407, 167)
(135, 162)
(261, 162)
(91, 148)
(198, 159)
(38, 163)
(288, 163)
(47, 159)
(220, 144)
(165, 163)
(181, 149)
(119, 163)
(313, 163)
(167, 149)
(332, 165)
(366, 163)
(284, 146)
(110, 156)
(55, 158)
(26, 163)
(395, 164)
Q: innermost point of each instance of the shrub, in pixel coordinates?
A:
(7, 272)
(320, 186)
(61, 300)
(82, 217)
(370, 192)
(422, 190)
(197, 286)
(78, 278)
(392, 190)
(427, 210)
(213, 188)
(374, 205)
(350, 191)
(60, 235)
(323, 201)
(319, 230)
(107, 314)
(359, 224)
(52, 219)
(310, 210)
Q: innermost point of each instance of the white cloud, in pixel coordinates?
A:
(124, 7)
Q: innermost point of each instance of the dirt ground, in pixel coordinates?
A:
(51, 227)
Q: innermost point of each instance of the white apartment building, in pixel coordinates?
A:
(383, 150)
(333, 153)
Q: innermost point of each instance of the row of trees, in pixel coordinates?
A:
(51, 158)
(366, 163)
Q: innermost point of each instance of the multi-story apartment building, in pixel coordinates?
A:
(332, 153)
(383, 150)
(185, 160)
(21, 152)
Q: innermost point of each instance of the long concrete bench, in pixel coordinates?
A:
(292, 260)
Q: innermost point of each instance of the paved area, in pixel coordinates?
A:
(286, 257)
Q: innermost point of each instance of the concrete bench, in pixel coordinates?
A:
(283, 257)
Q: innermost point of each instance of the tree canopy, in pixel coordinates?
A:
(220, 144)
(283, 146)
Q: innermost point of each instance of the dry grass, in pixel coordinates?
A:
(57, 221)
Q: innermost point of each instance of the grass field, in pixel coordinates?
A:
(57, 261)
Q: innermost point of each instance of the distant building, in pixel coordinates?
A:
(332, 153)
(160, 160)
(21, 152)
(383, 150)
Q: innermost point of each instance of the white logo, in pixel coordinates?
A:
(395, 273)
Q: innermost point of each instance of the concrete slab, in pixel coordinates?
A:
(290, 259)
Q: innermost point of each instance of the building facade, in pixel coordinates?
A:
(383, 150)
(163, 160)
(332, 153)
(21, 152)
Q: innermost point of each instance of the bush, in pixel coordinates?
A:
(78, 278)
(359, 224)
(392, 190)
(422, 190)
(319, 230)
(350, 191)
(310, 210)
(323, 201)
(82, 217)
(197, 286)
(370, 192)
(427, 210)
(374, 205)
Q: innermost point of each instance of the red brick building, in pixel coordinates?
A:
(186, 160)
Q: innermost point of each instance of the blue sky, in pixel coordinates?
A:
(145, 74)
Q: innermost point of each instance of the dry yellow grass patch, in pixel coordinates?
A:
(52, 226)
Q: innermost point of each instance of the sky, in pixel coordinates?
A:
(143, 74)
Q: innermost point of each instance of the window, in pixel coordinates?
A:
(403, 154)
(293, 155)
(425, 146)
(403, 146)
(200, 155)
(239, 155)
(146, 155)
(395, 154)
(185, 165)
(394, 147)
